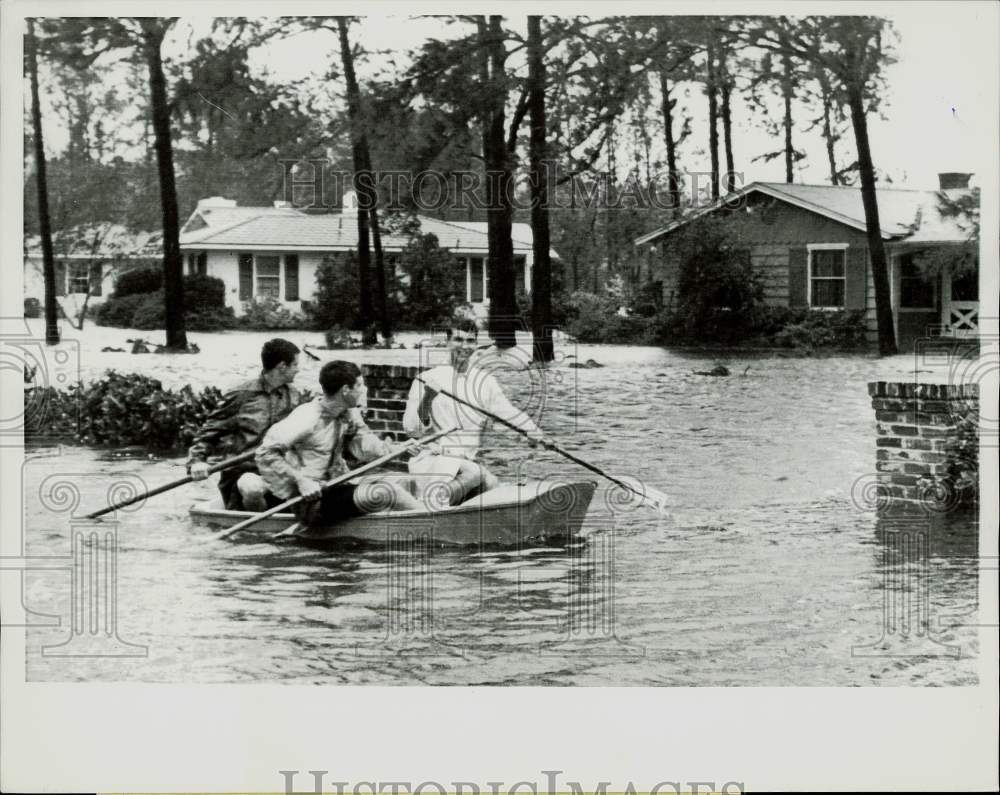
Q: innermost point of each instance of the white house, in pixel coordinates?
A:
(275, 251)
(88, 260)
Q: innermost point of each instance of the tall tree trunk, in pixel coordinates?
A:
(673, 177)
(381, 296)
(725, 88)
(499, 187)
(362, 174)
(876, 250)
(827, 98)
(788, 93)
(541, 273)
(44, 222)
(173, 267)
(713, 117)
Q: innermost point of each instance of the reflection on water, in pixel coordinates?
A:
(765, 573)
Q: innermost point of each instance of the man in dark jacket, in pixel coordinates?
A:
(239, 423)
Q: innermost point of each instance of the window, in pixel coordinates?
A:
(965, 286)
(827, 277)
(268, 276)
(77, 277)
(916, 291)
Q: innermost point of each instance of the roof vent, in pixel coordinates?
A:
(952, 180)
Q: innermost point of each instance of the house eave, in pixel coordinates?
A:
(728, 199)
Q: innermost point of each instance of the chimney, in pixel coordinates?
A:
(951, 180)
(215, 201)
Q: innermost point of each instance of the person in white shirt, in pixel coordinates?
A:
(306, 448)
(453, 458)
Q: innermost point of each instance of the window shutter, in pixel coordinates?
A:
(476, 269)
(202, 263)
(60, 278)
(96, 274)
(798, 277)
(246, 277)
(856, 272)
(291, 277)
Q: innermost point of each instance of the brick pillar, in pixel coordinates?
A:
(388, 387)
(924, 433)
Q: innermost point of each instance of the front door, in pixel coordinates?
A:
(960, 309)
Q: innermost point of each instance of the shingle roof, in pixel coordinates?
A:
(276, 227)
(904, 214)
(100, 241)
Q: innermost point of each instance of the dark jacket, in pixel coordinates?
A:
(240, 422)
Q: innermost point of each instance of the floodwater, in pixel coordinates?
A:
(771, 568)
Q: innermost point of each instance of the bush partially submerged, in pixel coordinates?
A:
(266, 314)
(119, 410)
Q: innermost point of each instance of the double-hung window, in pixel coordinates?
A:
(262, 276)
(827, 276)
(268, 276)
(78, 277)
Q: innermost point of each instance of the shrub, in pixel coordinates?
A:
(204, 307)
(203, 292)
(264, 314)
(717, 286)
(817, 329)
(122, 409)
(338, 294)
(436, 283)
(138, 281)
(150, 312)
(120, 311)
(338, 338)
(32, 307)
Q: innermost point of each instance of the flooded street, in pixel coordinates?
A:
(771, 569)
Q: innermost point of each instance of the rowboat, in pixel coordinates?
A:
(516, 514)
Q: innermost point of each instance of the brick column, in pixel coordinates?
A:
(924, 433)
(388, 387)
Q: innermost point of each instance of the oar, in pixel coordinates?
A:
(173, 484)
(648, 495)
(411, 445)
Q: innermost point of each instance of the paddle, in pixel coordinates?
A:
(654, 498)
(173, 484)
(411, 445)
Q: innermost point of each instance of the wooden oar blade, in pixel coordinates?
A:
(657, 499)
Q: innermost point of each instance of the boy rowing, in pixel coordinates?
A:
(240, 421)
(306, 448)
(427, 410)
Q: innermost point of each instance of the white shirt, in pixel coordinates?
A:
(477, 387)
(310, 441)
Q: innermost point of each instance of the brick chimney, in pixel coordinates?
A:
(951, 180)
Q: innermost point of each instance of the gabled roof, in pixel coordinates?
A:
(287, 228)
(904, 214)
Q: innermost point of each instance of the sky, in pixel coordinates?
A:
(941, 105)
(940, 109)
